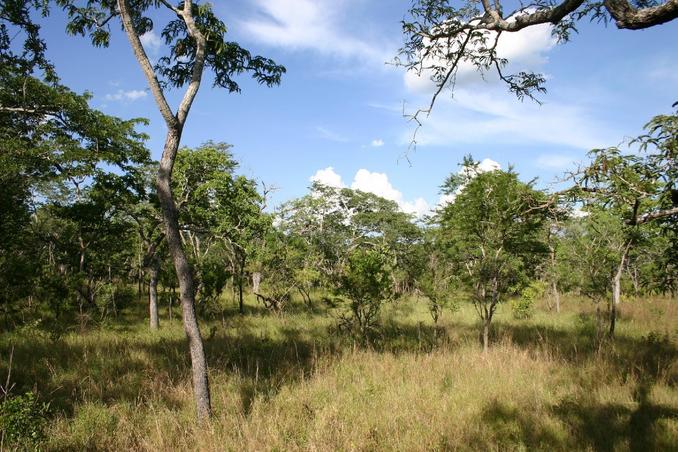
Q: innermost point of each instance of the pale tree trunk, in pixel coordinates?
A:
(153, 296)
(256, 280)
(486, 335)
(554, 281)
(175, 124)
(556, 295)
(616, 289)
(241, 275)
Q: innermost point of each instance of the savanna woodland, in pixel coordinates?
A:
(156, 293)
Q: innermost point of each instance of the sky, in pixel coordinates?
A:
(340, 113)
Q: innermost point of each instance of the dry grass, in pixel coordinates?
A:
(290, 383)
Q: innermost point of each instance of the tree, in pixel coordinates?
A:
(331, 222)
(134, 196)
(195, 37)
(216, 206)
(637, 188)
(493, 232)
(435, 280)
(443, 35)
(366, 282)
(591, 251)
(55, 148)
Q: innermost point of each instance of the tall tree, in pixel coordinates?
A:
(196, 40)
(493, 232)
(636, 187)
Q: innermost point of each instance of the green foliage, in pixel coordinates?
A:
(435, 281)
(493, 234)
(23, 421)
(366, 283)
(225, 59)
(523, 306)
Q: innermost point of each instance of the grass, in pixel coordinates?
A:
(292, 383)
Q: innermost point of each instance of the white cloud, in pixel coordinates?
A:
(375, 183)
(419, 207)
(151, 41)
(330, 135)
(555, 161)
(312, 25)
(485, 166)
(130, 96)
(377, 143)
(328, 177)
(378, 184)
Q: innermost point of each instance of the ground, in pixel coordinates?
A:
(292, 382)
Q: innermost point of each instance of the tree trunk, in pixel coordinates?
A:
(184, 275)
(241, 275)
(153, 297)
(556, 295)
(616, 290)
(486, 335)
(256, 280)
(241, 304)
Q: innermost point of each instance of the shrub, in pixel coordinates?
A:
(22, 420)
(523, 307)
(366, 282)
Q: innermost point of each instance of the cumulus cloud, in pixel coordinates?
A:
(128, 96)
(375, 183)
(485, 166)
(377, 143)
(378, 184)
(328, 177)
(311, 25)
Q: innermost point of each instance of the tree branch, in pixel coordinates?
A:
(656, 215)
(628, 17)
(146, 67)
(198, 65)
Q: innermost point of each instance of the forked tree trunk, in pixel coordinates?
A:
(175, 124)
(184, 275)
(153, 297)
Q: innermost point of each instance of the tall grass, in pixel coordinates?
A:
(292, 383)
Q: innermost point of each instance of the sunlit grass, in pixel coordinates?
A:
(292, 382)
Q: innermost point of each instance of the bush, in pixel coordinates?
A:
(22, 420)
(523, 307)
(366, 282)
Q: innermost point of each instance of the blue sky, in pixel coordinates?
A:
(341, 107)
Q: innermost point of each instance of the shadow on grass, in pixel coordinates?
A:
(588, 425)
(125, 367)
(110, 369)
